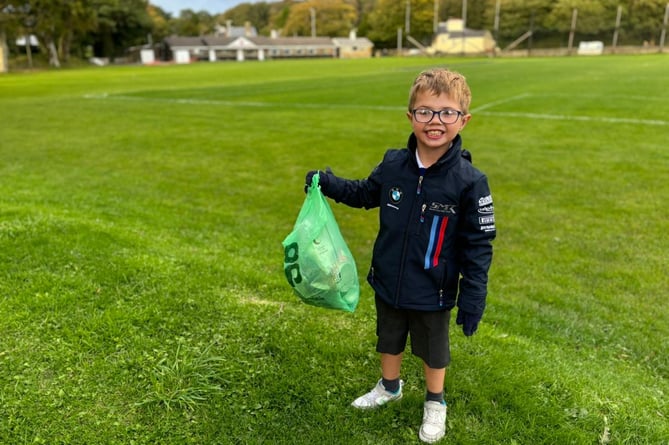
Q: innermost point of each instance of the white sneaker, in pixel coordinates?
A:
(434, 422)
(377, 397)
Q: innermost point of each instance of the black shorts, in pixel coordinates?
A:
(428, 331)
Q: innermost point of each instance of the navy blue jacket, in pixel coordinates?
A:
(435, 229)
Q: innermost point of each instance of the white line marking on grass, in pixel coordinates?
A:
(174, 101)
(563, 117)
(231, 103)
(500, 102)
(478, 110)
(608, 96)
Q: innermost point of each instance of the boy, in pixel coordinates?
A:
(433, 249)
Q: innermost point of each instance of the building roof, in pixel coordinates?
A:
(217, 40)
(293, 41)
(190, 42)
(360, 42)
(222, 42)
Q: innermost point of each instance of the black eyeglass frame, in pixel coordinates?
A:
(449, 112)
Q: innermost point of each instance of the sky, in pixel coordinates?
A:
(211, 6)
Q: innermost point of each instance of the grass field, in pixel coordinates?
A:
(142, 297)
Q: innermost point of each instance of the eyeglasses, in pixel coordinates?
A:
(447, 116)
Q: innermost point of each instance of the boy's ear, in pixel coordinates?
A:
(409, 116)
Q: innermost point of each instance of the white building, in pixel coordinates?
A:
(221, 47)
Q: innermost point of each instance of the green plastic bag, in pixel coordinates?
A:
(317, 262)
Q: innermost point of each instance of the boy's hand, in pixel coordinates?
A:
(323, 179)
(469, 321)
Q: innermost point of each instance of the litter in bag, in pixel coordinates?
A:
(317, 262)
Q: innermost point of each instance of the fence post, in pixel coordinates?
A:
(615, 32)
(399, 41)
(664, 27)
(574, 15)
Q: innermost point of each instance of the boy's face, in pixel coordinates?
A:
(433, 135)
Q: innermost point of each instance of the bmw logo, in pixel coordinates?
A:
(395, 195)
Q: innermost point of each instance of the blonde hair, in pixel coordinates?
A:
(442, 81)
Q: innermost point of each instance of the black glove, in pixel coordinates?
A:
(323, 179)
(469, 321)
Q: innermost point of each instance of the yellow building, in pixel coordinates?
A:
(453, 38)
(354, 47)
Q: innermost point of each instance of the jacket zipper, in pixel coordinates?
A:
(419, 189)
(406, 242)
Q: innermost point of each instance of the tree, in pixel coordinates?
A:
(364, 8)
(391, 15)
(387, 17)
(43, 18)
(161, 23)
(79, 20)
(517, 17)
(8, 21)
(258, 14)
(593, 16)
(331, 18)
(61, 25)
(422, 20)
(121, 24)
(645, 18)
(191, 23)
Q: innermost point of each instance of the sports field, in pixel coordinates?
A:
(142, 296)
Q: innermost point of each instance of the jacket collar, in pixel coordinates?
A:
(450, 158)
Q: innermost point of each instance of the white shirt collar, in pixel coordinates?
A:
(420, 164)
